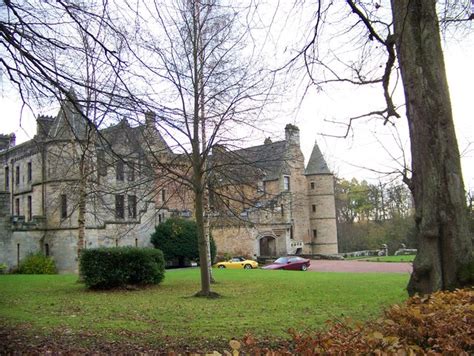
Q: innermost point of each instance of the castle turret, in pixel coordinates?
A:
(322, 208)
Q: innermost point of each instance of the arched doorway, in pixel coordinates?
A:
(267, 246)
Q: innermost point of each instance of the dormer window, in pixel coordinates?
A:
(286, 183)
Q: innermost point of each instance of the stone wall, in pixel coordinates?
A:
(235, 240)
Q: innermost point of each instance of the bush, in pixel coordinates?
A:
(177, 238)
(105, 268)
(3, 268)
(37, 263)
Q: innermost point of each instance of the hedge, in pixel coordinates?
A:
(105, 268)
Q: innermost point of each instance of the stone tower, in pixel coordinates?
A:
(322, 208)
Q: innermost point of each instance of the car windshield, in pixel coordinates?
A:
(282, 260)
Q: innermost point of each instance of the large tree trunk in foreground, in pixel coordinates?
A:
(437, 185)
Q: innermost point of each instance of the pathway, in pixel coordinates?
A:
(359, 266)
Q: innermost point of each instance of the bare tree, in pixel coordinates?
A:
(50, 48)
(405, 37)
(213, 92)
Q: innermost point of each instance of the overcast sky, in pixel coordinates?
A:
(370, 147)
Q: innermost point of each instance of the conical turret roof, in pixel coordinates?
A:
(317, 164)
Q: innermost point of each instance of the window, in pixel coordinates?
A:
(30, 173)
(101, 164)
(282, 210)
(7, 178)
(163, 195)
(46, 250)
(63, 206)
(17, 254)
(315, 233)
(17, 175)
(313, 207)
(132, 206)
(119, 170)
(312, 185)
(30, 208)
(286, 183)
(131, 171)
(17, 206)
(119, 206)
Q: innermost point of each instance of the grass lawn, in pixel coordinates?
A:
(264, 303)
(402, 258)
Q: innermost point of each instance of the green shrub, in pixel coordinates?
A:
(3, 268)
(37, 263)
(105, 268)
(177, 238)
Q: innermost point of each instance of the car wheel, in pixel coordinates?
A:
(221, 266)
(247, 266)
(304, 267)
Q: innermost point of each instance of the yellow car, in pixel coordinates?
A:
(237, 262)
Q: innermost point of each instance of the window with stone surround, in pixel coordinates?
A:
(63, 206)
(312, 185)
(17, 206)
(101, 163)
(315, 233)
(119, 171)
(7, 178)
(17, 175)
(131, 171)
(313, 207)
(132, 206)
(286, 183)
(30, 208)
(119, 206)
(30, 172)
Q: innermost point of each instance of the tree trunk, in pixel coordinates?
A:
(437, 185)
(202, 244)
(81, 218)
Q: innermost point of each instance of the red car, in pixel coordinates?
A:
(290, 263)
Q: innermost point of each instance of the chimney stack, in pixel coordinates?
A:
(292, 134)
(43, 124)
(150, 119)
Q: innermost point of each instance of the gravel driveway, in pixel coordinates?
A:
(359, 266)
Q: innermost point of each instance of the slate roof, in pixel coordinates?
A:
(265, 162)
(317, 163)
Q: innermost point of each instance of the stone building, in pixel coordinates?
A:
(66, 164)
(263, 201)
(72, 187)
